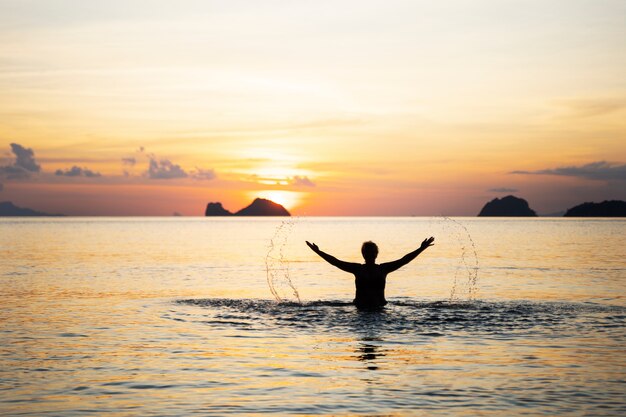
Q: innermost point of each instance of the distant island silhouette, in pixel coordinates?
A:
(8, 209)
(613, 208)
(509, 206)
(259, 207)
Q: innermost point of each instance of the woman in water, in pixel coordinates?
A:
(370, 277)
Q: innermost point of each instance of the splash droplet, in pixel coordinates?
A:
(277, 265)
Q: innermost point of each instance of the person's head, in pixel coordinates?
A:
(369, 251)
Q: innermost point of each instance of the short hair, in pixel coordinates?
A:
(369, 249)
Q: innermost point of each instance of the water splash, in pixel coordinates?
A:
(277, 265)
(471, 266)
(283, 289)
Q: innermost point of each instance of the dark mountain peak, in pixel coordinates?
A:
(9, 209)
(613, 208)
(216, 209)
(263, 207)
(509, 206)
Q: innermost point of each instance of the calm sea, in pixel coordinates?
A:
(209, 316)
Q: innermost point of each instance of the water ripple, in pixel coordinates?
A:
(504, 318)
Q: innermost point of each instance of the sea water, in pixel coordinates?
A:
(212, 316)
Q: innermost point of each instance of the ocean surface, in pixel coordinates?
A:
(211, 316)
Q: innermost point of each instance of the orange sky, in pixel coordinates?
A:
(331, 108)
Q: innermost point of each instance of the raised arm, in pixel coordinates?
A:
(392, 266)
(343, 265)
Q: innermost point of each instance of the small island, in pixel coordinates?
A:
(259, 207)
(509, 206)
(613, 208)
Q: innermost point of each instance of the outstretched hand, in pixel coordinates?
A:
(313, 246)
(427, 243)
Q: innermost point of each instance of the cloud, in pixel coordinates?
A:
(25, 158)
(503, 190)
(165, 170)
(24, 164)
(129, 161)
(13, 172)
(76, 171)
(1, 186)
(203, 174)
(302, 181)
(600, 170)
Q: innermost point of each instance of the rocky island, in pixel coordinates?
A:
(613, 208)
(509, 206)
(8, 209)
(216, 209)
(259, 207)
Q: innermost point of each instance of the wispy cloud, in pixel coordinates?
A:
(129, 161)
(503, 190)
(591, 107)
(302, 181)
(600, 170)
(24, 164)
(77, 171)
(203, 174)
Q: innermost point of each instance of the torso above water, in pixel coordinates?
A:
(370, 282)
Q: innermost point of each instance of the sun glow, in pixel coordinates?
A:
(287, 199)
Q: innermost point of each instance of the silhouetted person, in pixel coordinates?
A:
(370, 277)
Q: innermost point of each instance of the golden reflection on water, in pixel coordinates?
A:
(90, 320)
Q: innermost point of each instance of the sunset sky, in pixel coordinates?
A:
(328, 107)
